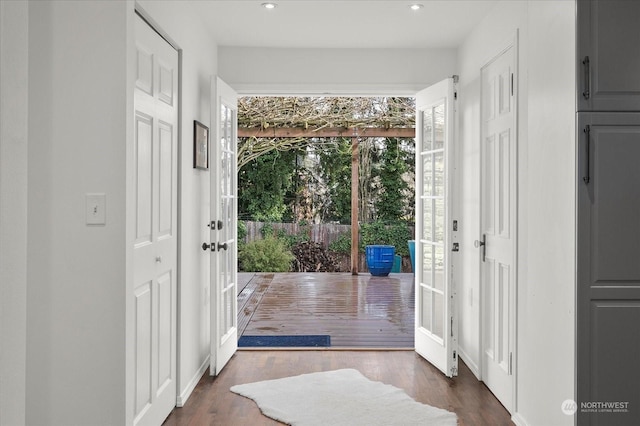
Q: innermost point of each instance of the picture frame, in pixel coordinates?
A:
(200, 146)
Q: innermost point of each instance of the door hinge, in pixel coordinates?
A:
(455, 225)
(456, 247)
(510, 363)
(511, 84)
(455, 96)
(451, 328)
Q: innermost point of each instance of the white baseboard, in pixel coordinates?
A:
(186, 393)
(519, 420)
(467, 360)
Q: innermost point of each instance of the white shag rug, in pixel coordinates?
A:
(340, 397)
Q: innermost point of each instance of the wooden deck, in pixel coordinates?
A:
(356, 311)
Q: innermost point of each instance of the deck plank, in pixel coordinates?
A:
(250, 297)
(356, 311)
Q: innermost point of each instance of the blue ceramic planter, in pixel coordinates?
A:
(380, 259)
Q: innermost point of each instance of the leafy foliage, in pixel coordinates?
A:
(377, 233)
(342, 244)
(290, 179)
(396, 199)
(242, 230)
(264, 185)
(292, 240)
(335, 172)
(266, 255)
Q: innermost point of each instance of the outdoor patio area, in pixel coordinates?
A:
(360, 311)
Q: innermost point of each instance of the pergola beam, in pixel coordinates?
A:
(327, 132)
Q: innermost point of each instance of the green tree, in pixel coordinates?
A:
(395, 169)
(335, 172)
(264, 184)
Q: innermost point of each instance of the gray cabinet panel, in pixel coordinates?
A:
(608, 267)
(609, 36)
(615, 370)
(615, 178)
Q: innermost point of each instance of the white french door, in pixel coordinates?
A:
(155, 250)
(436, 326)
(498, 226)
(224, 225)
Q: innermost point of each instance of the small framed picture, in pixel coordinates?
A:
(200, 146)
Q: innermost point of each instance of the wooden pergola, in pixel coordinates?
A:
(354, 133)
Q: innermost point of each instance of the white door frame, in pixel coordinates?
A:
(511, 43)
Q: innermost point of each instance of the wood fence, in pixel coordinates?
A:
(324, 233)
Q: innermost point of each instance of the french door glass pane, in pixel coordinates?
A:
(433, 216)
(438, 175)
(427, 130)
(426, 308)
(438, 314)
(427, 174)
(224, 136)
(438, 232)
(427, 217)
(438, 118)
(438, 268)
(427, 265)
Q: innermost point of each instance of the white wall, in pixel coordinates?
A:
(493, 35)
(547, 284)
(546, 277)
(14, 39)
(199, 63)
(79, 128)
(76, 273)
(335, 71)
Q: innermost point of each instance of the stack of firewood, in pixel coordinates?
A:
(312, 257)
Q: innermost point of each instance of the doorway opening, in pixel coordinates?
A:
(321, 178)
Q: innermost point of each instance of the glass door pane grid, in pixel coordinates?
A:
(432, 157)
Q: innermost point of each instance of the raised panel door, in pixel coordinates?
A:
(154, 182)
(498, 215)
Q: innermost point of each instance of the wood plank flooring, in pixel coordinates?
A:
(360, 311)
(211, 403)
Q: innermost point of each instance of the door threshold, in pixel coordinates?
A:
(335, 348)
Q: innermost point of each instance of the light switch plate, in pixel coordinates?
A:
(96, 209)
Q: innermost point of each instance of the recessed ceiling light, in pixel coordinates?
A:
(416, 6)
(269, 5)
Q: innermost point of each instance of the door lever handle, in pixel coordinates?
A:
(483, 244)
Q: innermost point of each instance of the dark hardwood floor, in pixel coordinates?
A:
(360, 311)
(211, 403)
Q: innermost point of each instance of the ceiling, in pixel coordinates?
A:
(342, 23)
